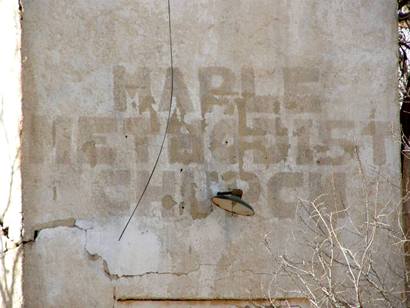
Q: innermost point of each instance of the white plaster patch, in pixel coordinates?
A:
(138, 251)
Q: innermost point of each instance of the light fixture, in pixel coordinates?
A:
(231, 201)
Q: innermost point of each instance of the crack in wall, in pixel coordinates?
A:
(75, 223)
(112, 276)
(68, 222)
(178, 274)
(72, 223)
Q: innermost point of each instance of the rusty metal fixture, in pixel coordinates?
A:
(231, 201)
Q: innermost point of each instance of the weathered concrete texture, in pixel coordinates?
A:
(68, 278)
(279, 98)
(10, 178)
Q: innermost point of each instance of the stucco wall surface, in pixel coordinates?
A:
(278, 98)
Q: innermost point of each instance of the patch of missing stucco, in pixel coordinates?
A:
(139, 251)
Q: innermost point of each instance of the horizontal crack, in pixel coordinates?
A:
(166, 273)
(68, 222)
(95, 256)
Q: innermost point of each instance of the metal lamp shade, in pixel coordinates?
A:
(233, 204)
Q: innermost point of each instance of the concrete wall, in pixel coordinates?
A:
(278, 98)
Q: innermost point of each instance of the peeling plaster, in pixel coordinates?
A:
(120, 257)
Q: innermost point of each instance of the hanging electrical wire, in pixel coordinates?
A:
(166, 127)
